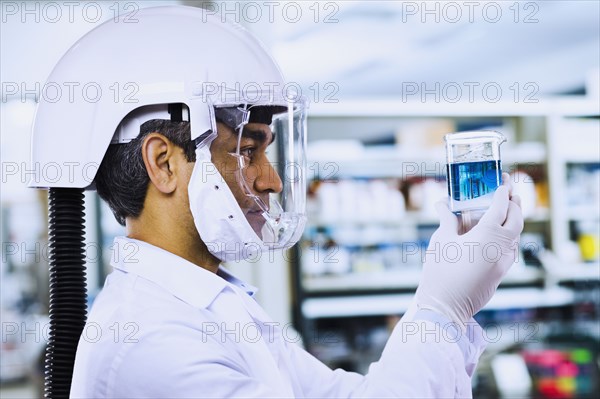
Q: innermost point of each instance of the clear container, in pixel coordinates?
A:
(474, 172)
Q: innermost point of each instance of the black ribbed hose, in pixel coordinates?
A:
(68, 296)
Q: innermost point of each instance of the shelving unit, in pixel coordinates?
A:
(543, 141)
(396, 304)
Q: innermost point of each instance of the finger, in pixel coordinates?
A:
(514, 220)
(448, 220)
(516, 199)
(496, 214)
(506, 181)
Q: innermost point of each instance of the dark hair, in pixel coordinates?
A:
(122, 179)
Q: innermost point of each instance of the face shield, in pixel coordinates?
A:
(258, 150)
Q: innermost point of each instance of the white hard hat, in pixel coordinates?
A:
(168, 55)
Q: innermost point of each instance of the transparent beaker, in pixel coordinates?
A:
(474, 172)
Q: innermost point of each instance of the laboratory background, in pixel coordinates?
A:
(386, 80)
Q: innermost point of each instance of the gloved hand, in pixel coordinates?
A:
(462, 272)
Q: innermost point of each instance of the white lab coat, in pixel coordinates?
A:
(163, 327)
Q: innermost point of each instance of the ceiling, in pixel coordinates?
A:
(380, 48)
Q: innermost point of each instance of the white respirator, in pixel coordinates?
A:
(248, 185)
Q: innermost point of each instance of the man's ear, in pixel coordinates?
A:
(158, 152)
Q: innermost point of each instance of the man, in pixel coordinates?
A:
(189, 174)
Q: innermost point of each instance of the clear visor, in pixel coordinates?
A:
(260, 152)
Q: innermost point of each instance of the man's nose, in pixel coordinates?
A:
(267, 179)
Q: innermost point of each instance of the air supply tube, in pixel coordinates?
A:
(68, 294)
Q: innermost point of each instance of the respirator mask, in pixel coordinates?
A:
(247, 191)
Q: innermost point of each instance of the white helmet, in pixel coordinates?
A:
(121, 74)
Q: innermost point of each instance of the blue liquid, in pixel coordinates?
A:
(470, 180)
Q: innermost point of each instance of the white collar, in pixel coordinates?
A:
(185, 280)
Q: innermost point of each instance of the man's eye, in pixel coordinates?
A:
(247, 152)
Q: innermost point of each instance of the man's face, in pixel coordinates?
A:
(257, 177)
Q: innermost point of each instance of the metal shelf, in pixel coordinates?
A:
(396, 304)
(401, 162)
(579, 272)
(529, 298)
(558, 271)
(396, 107)
(400, 279)
(364, 281)
(412, 218)
(583, 212)
(368, 305)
